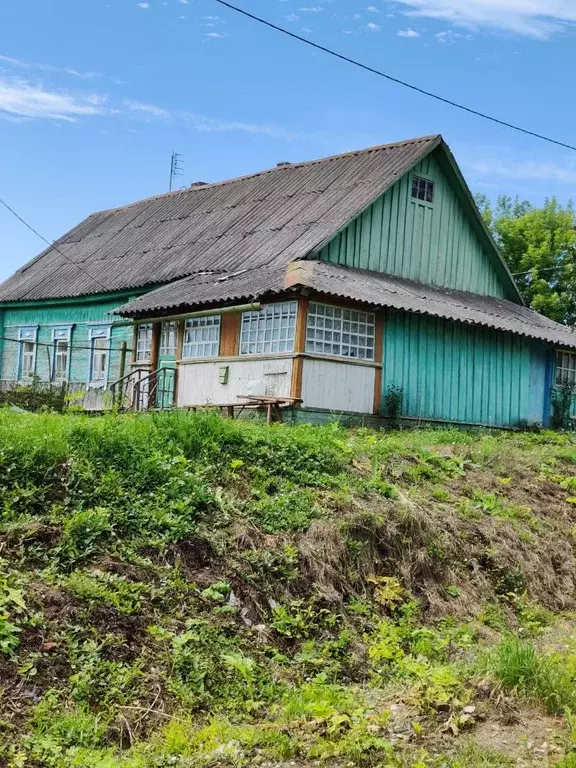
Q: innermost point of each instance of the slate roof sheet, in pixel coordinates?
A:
(370, 288)
(267, 219)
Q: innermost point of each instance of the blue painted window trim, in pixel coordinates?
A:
(98, 332)
(26, 333)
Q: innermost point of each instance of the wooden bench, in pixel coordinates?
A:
(272, 405)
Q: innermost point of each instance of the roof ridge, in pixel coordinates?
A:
(273, 169)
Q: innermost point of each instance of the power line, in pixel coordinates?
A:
(52, 244)
(396, 80)
(541, 269)
(71, 345)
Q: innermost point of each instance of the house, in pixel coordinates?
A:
(334, 281)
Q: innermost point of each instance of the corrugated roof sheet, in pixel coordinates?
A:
(266, 219)
(371, 288)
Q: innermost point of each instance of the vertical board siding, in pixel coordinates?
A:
(81, 317)
(435, 244)
(454, 372)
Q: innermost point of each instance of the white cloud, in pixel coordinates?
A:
(291, 17)
(373, 27)
(145, 6)
(373, 9)
(215, 35)
(522, 170)
(536, 18)
(149, 112)
(35, 65)
(147, 109)
(22, 100)
(408, 33)
(184, 2)
(312, 9)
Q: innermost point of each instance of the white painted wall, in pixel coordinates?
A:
(199, 383)
(337, 386)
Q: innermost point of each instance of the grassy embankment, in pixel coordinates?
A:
(186, 591)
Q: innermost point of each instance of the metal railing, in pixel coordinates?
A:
(140, 390)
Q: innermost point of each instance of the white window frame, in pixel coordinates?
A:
(340, 332)
(27, 334)
(168, 337)
(95, 334)
(271, 330)
(60, 334)
(423, 183)
(201, 337)
(144, 342)
(565, 366)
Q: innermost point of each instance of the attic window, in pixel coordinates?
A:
(422, 189)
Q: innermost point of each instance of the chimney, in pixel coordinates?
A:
(283, 164)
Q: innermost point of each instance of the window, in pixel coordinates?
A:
(272, 329)
(565, 367)
(27, 352)
(201, 337)
(342, 332)
(168, 339)
(99, 340)
(143, 342)
(60, 353)
(422, 189)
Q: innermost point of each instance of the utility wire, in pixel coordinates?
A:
(541, 269)
(52, 244)
(72, 347)
(396, 80)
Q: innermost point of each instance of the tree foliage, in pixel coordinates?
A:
(539, 246)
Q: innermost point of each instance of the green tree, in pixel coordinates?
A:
(539, 246)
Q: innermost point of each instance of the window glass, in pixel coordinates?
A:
(27, 357)
(565, 367)
(422, 189)
(61, 340)
(168, 339)
(201, 337)
(143, 342)
(99, 355)
(340, 331)
(272, 329)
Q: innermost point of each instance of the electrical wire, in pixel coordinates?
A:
(72, 347)
(51, 244)
(541, 269)
(393, 79)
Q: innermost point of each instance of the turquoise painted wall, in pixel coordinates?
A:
(435, 244)
(82, 317)
(454, 372)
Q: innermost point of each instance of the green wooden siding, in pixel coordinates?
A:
(435, 244)
(469, 374)
(81, 317)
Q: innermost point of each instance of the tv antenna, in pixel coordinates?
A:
(176, 167)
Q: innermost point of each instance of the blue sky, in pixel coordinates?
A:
(95, 95)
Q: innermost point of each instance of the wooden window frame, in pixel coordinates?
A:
(25, 338)
(56, 339)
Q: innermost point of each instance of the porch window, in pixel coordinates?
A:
(168, 339)
(339, 331)
(143, 342)
(27, 352)
(565, 367)
(60, 353)
(99, 342)
(272, 329)
(201, 337)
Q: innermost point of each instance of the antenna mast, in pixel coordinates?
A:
(176, 167)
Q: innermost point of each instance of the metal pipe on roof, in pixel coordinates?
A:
(254, 306)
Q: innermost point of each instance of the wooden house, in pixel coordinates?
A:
(332, 282)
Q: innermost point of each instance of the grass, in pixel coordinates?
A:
(184, 590)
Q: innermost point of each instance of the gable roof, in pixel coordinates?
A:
(266, 219)
(375, 288)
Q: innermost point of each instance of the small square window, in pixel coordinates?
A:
(422, 189)
(565, 368)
